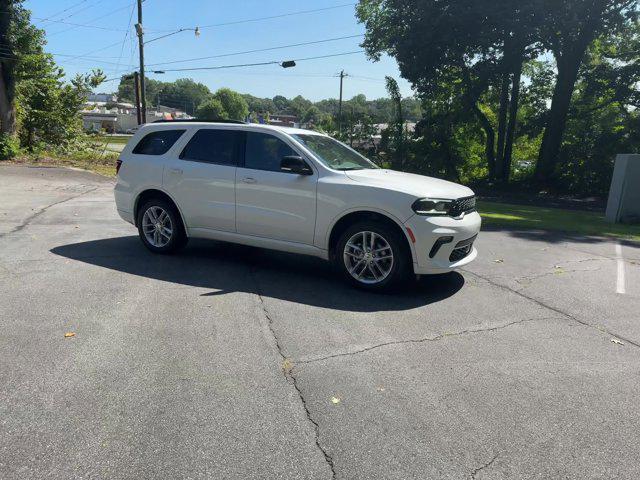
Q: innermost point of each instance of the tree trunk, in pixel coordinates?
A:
(489, 146)
(568, 62)
(7, 103)
(502, 122)
(400, 134)
(7, 76)
(513, 117)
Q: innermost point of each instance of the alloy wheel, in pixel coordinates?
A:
(157, 226)
(368, 257)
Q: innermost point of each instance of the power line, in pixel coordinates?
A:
(328, 56)
(257, 50)
(259, 19)
(79, 25)
(79, 11)
(125, 37)
(92, 20)
(261, 63)
(273, 62)
(96, 50)
(65, 10)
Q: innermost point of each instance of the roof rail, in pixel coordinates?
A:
(205, 120)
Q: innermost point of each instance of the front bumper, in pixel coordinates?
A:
(427, 231)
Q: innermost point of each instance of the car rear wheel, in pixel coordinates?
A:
(160, 227)
(372, 256)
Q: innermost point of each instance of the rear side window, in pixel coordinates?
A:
(265, 152)
(213, 146)
(158, 142)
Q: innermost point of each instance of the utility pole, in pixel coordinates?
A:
(136, 88)
(342, 75)
(141, 49)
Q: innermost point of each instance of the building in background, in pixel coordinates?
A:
(284, 120)
(110, 116)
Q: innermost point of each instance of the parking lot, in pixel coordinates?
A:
(233, 362)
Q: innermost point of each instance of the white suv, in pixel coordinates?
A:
(293, 190)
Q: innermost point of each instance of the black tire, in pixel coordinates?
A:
(178, 238)
(400, 271)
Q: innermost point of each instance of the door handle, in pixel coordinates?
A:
(249, 180)
(177, 171)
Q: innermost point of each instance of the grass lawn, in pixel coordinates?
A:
(122, 139)
(113, 143)
(525, 217)
(105, 166)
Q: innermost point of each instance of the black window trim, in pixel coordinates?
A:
(291, 145)
(180, 130)
(238, 148)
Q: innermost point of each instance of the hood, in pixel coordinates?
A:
(410, 183)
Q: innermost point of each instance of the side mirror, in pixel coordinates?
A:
(295, 164)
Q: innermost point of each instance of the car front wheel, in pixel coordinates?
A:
(373, 256)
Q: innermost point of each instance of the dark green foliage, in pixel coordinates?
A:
(233, 104)
(9, 146)
(542, 87)
(211, 109)
(184, 94)
(47, 109)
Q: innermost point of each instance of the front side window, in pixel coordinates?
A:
(265, 152)
(333, 153)
(213, 146)
(158, 142)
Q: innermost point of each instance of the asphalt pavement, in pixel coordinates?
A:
(234, 362)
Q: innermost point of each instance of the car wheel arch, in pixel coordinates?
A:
(155, 192)
(341, 223)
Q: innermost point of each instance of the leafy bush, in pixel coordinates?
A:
(9, 146)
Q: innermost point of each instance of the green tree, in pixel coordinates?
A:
(398, 123)
(126, 92)
(281, 104)
(603, 118)
(20, 43)
(439, 44)
(184, 94)
(299, 105)
(568, 30)
(259, 105)
(234, 105)
(311, 115)
(211, 109)
(37, 103)
(49, 109)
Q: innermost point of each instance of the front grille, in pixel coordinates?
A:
(462, 249)
(463, 205)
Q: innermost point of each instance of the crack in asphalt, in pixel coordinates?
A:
(557, 271)
(290, 377)
(34, 215)
(553, 309)
(475, 471)
(433, 338)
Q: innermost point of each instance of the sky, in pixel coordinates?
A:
(113, 46)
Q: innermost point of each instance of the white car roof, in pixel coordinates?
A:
(253, 126)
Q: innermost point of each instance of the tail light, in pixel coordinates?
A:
(118, 165)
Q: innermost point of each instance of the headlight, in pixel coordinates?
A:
(432, 206)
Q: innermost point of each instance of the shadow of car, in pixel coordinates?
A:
(225, 268)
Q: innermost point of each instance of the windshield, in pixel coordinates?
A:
(334, 154)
